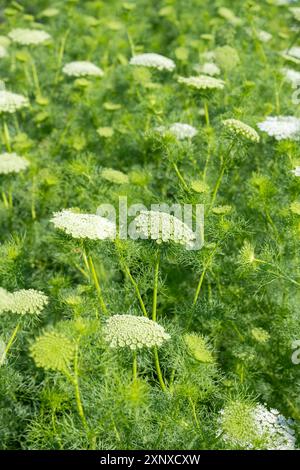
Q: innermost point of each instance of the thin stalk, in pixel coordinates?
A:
(6, 136)
(10, 342)
(220, 178)
(85, 259)
(155, 289)
(77, 391)
(35, 77)
(136, 288)
(201, 279)
(60, 56)
(180, 177)
(33, 211)
(158, 370)
(134, 366)
(277, 273)
(218, 184)
(97, 285)
(208, 157)
(206, 113)
(5, 200)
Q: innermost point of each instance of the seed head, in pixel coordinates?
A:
(134, 332)
(202, 82)
(53, 351)
(247, 426)
(241, 129)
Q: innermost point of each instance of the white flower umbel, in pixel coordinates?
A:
(239, 128)
(292, 76)
(281, 127)
(296, 171)
(164, 227)
(82, 69)
(134, 332)
(179, 130)
(3, 52)
(183, 131)
(202, 82)
(153, 60)
(22, 301)
(78, 225)
(28, 37)
(209, 68)
(12, 163)
(294, 52)
(255, 427)
(28, 301)
(11, 102)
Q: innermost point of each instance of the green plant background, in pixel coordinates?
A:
(58, 134)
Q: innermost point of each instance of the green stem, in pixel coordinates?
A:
(61, 55)
(279, 273)
(217, 185)
(219, 180)
(77, 391)
(155, 289)
(205, 268)
(97, 285)
(181, 179)
(134, 366)
(85, 259)
(206, 113)
(6, 136)
(35, 77)
(158, 370)
(10, 342)
(207, 157)
(136, 288)
(5, 200)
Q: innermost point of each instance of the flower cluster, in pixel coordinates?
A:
(239, 128)
(114, 176)
(208, 68)
(11, 102)
(293, 76)
(22, 301)
(12, 163)
(3, 52)
(27, 37)
(281, 127)
(134, 332)
(198, 347)
(90, 226)
(53, 351)
(179, 130)
(153, 60)
(202, 82)
(82, 69)
(246, 426)
(296, 171)
(163, 227)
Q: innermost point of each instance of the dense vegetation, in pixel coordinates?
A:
(232, 308)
